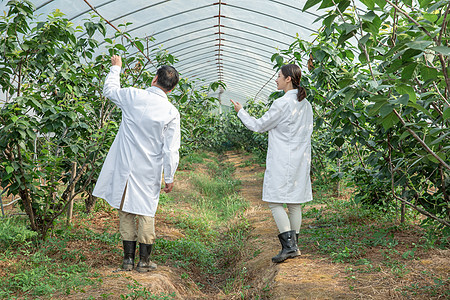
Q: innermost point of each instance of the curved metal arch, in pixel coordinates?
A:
(44, 4)
(211, 61)
(203, 48)
(228, 44)
(246, 50)
(239, 72)
(167, 29)
(255, 34)
(188, 47)
(257, 25)
(293, 7)
(242, 44)
(234, 82)
(88, 10)
(227, 34)
(165, 17)
(211, 72)
(226, 61)
(248, 40)
(193, 57)
(258, 74)
(270, 16)
(240, 87)
(246, 63)
(189, 60)
(231, 79)
(232, 52)
(211, 66)
(182, 62)
(176, 37)
(261, 76)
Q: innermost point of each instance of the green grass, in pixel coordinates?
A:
(188, 161)
(215, 233)
(344, 232)
(214, 228)
(38, 275)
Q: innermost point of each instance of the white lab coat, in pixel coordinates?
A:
(290, 125)
(147, 142)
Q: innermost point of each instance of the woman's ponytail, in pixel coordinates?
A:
(301, 93)
(295, 73)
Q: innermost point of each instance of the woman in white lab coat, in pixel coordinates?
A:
(289, 122)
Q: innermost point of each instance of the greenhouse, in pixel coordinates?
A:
(168, 149)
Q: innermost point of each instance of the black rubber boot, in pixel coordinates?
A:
(289, 246)
(129, 251)
(144, 264)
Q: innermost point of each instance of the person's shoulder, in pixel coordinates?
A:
(282, 101)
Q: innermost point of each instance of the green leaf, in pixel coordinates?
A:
(381, 3)
(404, 135)
(389, 121)
(9, 169)
(403, 99)
(386, 109)
(364, 39)
(446, 114)
(408, 71)
(439, 139)
(348, 28)
(421, 108)
(326, 3)
(379, 102)
(329, 20)
(369, 3)
(419, 45)
(369, 16)
(430, 17)
(442, 50)
(406, 89)
(428, 73)
(310, 3)
(424, 3)
(139, 45)
(120, 47)
(339, 141)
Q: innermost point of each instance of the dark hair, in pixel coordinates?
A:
(167, 77)
(295, 73)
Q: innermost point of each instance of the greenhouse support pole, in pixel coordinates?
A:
(1, 204)
(70, 208)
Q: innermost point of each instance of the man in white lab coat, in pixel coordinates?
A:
(146, 145)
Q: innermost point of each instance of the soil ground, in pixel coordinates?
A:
(310, 276)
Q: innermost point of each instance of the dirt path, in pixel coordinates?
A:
(303, 277)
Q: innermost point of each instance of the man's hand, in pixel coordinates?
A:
(237, 105)
(116, 60)
(169, 187)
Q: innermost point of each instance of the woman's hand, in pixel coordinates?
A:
(237, 105)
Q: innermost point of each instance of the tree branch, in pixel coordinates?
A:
(424, 145)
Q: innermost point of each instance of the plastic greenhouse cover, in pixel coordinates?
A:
(231, 40)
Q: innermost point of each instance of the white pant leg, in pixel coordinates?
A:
(295, 216)
(280, 216)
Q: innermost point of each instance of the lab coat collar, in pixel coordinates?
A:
(293, 91)
(157, 90)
